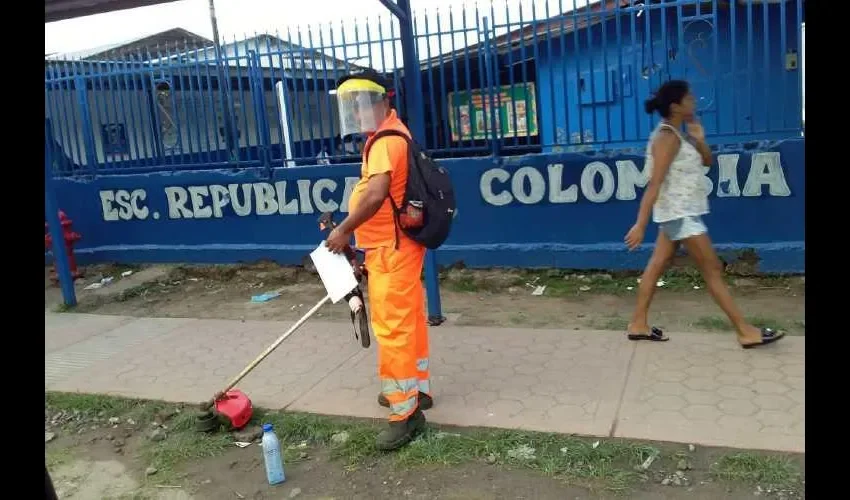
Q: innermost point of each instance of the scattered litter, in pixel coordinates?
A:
(150, 471)
(691, 448)
(696, 287)
(49, 436)
(265, 297)
(648, 462)
(638, 280)
(94, 286)
(489, 414)
(539, 290)
(683, 464)
(522, 452)
(630, 288)
(302, 444)
(596, 445)
(242, 444)
(300, 305)
(340, 438)
(660, 283)
(193, 279)
(564, 450)
(124, 275)
(292, 308)
(584, 288)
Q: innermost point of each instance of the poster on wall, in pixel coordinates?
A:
(516, 112)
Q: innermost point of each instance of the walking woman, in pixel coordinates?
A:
(676, 195)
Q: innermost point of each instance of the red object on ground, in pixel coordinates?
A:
(236, 406)
(70, 237)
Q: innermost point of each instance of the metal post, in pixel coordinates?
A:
(416, 121)
(223, 88)
(51, 211)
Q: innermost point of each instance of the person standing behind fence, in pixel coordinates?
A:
(393, 260)
(678, 199)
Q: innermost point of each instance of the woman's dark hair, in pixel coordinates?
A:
(671, 92)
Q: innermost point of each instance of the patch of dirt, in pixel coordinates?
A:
(500, 297)
(95, 471)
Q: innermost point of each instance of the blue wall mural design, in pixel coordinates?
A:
(566, 210)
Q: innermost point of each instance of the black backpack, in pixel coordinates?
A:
(428, 191)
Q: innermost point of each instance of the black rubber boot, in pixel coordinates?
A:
(425, 401)
(399, 434)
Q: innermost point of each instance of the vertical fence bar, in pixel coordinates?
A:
(246, 131)
(715, 34)
(328, 100)
(766, 65)
(577, 49)
(316, 94)
(305, 86)
(491, 101)
(114, 90)
(51, 211)
(523, 56)
(566, 90)
(145, 109)
(750, 94)
(649, 41)
(551, 59)
(178, 68)
(210, 91)
(468, 76)
(511, 82)
(443, 92)
(86, 124)
(620, 84)
(783, 48)
(733, 34)
(799, 21)
(606, 72)
(588, 29)
(453, 112)
(429, 71)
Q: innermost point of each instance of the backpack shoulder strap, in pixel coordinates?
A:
(384, 133)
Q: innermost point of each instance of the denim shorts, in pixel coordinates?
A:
(684, 228)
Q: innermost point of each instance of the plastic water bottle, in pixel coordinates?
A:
(272, 456)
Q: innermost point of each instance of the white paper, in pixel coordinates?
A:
(335, 271)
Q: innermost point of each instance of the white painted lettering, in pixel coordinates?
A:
(304, 196)
(110, 213)
(486, 187)
(536, 186)
(244, 208)
(556, 193)
(588, 178)
(706, 181)
(350, 182)
(177, 198)
(285, 207)
(321, 205)
(629, 177)
(136, 197)
(122, 199)
(199, 210)
(766, 168)
(727, 177)
(264, 196)
(220, 198)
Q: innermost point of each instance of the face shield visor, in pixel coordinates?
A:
(361, 106)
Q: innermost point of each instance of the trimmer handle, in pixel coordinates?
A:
(326, 223)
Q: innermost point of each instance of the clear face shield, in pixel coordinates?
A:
(361, 106)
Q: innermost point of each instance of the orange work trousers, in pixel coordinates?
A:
(397, 308)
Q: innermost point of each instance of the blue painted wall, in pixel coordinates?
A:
(563, 210)
(745, 91)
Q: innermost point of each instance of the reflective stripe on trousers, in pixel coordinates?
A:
(397, 309)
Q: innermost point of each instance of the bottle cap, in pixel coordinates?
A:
(267, 427)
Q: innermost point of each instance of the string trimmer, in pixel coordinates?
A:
(234, 405)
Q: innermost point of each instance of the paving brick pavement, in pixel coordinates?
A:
(697, 388)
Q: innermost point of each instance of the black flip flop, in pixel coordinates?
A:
(768, 336)
(655, 335)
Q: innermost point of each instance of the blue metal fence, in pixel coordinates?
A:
(513, 78)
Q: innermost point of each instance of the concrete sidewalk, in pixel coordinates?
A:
(697, 388)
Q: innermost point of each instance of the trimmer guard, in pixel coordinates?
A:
(236, 407)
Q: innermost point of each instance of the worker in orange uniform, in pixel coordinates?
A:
(393, 260)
